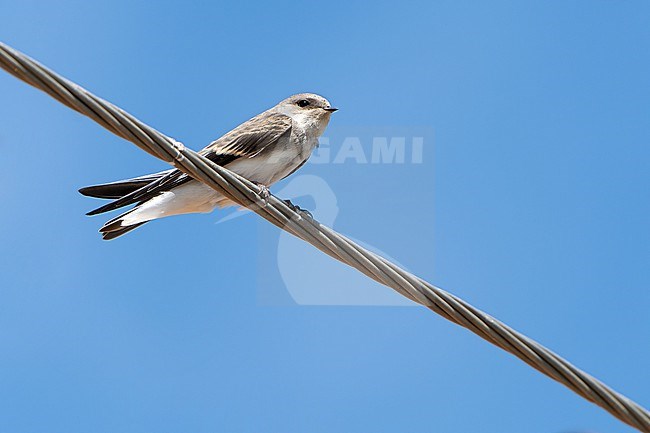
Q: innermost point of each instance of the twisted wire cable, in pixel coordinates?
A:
(325, 239)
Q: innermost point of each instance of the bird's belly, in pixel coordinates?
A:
(188, 198)
(191, 197)
(196, 197)
(266, 169)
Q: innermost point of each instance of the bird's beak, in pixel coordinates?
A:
(330, 109)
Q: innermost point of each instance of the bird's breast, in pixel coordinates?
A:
(276, 162)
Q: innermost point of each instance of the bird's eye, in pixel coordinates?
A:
(302, 103)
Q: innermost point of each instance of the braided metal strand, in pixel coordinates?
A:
(325, 239)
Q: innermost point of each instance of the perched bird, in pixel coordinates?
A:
(264, 150)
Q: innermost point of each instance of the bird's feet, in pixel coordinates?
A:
(298, 209)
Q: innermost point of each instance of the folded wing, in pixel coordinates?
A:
(245, 141)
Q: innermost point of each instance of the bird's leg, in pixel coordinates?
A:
(297, 209)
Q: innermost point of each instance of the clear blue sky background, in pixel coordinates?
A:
(531, 203)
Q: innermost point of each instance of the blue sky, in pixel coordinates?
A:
(530, 202)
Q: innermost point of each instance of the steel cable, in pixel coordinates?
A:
(325, 239)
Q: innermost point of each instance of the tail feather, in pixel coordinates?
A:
(116, 227)
(165, 182)
(107, 236)
(111, 190)
(152, 198)
(121, 188)
(117, 190)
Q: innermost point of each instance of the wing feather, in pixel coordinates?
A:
(245, 141)
(252, 137)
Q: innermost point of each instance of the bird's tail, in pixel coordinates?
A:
(119, 225)
(108, 235)
(116, 190)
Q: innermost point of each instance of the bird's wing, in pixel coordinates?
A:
(245, 141)
(295, 169)
(252, 137)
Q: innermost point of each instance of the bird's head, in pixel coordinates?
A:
(309, 108)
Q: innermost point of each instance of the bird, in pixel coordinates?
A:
(265, 149)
